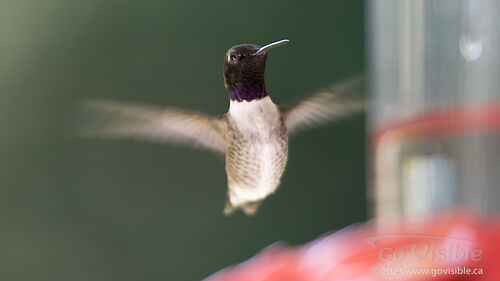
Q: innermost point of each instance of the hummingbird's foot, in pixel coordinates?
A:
(228, 208)
(249, 208)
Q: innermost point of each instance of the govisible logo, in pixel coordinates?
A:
(448, 249)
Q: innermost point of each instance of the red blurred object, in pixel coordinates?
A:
(450, 246)
(473, 118)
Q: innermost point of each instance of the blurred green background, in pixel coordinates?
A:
(89, 209)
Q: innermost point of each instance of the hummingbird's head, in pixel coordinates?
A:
(244, 67)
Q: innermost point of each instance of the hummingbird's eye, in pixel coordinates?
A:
(233, 57)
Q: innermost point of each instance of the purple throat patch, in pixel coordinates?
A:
(248, 92)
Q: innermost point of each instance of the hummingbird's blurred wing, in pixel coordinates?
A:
(124, 120)
(327, 105)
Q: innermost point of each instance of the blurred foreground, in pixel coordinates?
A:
(450, 246)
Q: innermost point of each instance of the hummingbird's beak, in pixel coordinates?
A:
(268, 47)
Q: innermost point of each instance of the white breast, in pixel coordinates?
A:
(255, 117)
(259, 122)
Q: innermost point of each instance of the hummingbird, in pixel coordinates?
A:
(253, 134)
